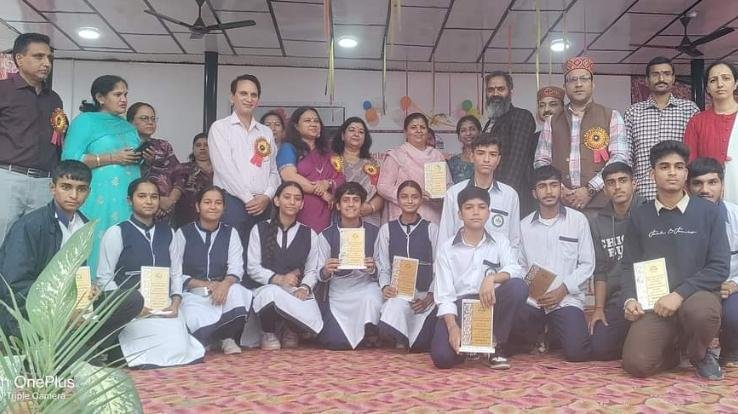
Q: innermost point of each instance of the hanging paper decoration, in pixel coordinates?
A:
(538, 44)
(330, 86)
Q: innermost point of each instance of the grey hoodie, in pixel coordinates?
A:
(608, 232)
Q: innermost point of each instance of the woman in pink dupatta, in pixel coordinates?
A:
(407, 162)
(305, 158)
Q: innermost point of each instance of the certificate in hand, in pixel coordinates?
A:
(404, 276)
(652, 281)
(476, 328)
(540, 280)
(84, 286)
(155, 287)
(435, 179)
(351, 254)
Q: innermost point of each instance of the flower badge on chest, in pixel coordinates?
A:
(337, 163)
(597, 140)
(372, 170)
(262, 149)
(59, 123)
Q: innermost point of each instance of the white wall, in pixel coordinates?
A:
(176, 91)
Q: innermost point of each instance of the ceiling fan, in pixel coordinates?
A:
(198, 29)
(688, 46)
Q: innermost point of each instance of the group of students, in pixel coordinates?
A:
(481, 249)
(265, 242)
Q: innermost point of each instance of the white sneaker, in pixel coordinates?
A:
(270, 342)
(498, 362)
(229, 346)
(290, 339)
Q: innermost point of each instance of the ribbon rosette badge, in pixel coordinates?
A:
(337, 162)
(597, 139)
(262, 149)
(372, 170)
(59, 124)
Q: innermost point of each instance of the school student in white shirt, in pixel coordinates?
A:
(504, 206)
(475, 264)
(558, 238)
(408, 323)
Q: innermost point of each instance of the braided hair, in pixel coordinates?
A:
(269, 253)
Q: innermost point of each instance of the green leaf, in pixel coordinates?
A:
(106, 390)
(52, 297)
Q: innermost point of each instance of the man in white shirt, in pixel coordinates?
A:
(242, 153)
(705, 179)
(475, 264)
(558, 239)
(504, 217)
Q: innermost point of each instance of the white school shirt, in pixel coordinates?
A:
(504, 217)
(70, 228)
(381, 247)
(460, 267)
(563, 246)
(732, 228)
(111, 247)
(232, 146)
(235, 254)
(263, 275)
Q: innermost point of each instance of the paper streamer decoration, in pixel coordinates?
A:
(538, 44)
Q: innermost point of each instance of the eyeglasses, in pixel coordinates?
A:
(576, 79)
(153, 119)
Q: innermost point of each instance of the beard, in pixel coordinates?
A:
(498, 106)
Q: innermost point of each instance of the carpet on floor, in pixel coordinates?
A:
(382, 380)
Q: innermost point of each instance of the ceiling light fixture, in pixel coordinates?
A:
(347, 42)
(559, 45)
(90, 33)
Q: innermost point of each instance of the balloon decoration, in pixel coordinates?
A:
(405, 103)
(371, 113)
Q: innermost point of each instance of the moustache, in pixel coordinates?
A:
(662, 83)
(547, 113)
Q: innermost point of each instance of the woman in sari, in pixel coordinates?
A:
(407, 162)
(106, 142)
(353, 144)
(305, 158)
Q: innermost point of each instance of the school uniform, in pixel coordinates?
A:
(354, 298)
(211, 255)
(151, 341)
(562, 245)
(504, 215)
(397, 319)
(729, 331)
(459, 271)
(296, 248)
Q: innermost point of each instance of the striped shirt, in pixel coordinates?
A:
(647, 125)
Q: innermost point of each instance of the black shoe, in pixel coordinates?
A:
(709, 368)
(728, 359)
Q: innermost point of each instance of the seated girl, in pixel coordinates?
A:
(408, 323)
(209, 259)
(149, 341)
(283, 256)
(353, 299)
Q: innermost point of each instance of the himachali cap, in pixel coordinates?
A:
(551, 92)
(578, 62)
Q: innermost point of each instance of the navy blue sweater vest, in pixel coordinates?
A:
(286, 259)
(416, 245)
(200, 264)
(138, 252)
(333, 236)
